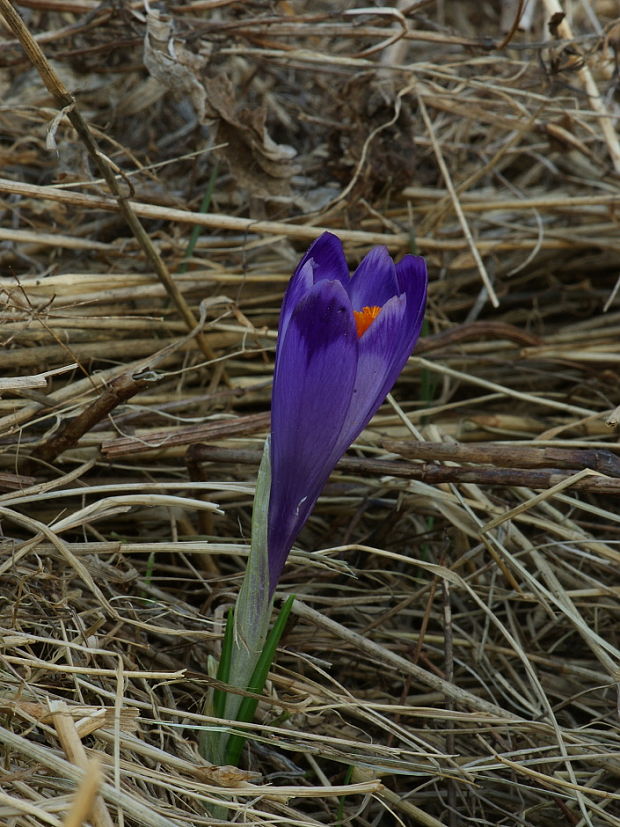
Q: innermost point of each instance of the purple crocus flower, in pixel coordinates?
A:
(342, 342)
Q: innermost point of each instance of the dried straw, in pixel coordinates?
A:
(454, 655)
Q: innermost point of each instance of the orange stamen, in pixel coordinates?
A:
(364, 318)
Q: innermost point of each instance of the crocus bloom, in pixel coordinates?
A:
(342, 342)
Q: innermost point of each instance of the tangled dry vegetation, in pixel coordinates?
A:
(453, 655)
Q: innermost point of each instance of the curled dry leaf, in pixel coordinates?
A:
(257, 162)
(174, 66)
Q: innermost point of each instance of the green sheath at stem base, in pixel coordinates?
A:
(252, 612)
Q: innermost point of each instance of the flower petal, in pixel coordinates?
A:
(327, 258)
(299, 285)
(374, 281)
(386, 345)
(384, 349)
(413, 281)
(323, 260)
(316, 364)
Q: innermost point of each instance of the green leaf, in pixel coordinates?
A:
(257, 681)
(253, 607)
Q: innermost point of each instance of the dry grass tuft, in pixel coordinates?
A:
(454, 652)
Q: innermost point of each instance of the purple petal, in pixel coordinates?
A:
(297, 288)
(327, 259)
(411, 268)
(374, 282)
(327, 382)
(413, 281)
(385, 347)
(315, 369)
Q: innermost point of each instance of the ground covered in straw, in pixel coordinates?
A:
(452, 656)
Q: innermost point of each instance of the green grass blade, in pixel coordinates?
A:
(204, 207)
(223, 670)
(341, 800)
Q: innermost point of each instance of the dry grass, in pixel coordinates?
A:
(453, 657)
